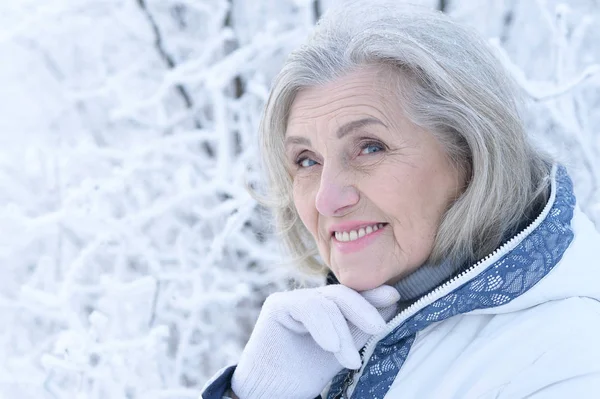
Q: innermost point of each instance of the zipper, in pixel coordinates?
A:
(367, 350)
(349, 380)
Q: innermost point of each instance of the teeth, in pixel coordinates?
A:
(354, 234)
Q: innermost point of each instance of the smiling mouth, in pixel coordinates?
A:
(353, 235)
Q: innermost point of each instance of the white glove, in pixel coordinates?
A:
(303, 338)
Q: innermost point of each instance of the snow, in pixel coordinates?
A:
(134, 261)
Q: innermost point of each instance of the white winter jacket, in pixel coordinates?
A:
(522, 323)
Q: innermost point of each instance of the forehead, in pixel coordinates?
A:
(366, 92)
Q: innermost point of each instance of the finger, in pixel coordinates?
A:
(277, 306)
(280, 304)
(389, 312)
(355, 308)
(315, 314)
(347, 355)
(382, 296)
(359, 337)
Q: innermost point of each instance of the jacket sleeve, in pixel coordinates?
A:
(219, 384)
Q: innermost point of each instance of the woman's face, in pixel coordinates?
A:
(370, 186)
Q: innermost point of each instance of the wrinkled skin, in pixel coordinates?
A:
(385, 170)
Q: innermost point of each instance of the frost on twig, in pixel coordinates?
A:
(549, 49)
(134, 261)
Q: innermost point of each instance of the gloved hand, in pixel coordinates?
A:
(303, 338)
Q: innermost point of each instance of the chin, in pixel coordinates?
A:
(360, 283)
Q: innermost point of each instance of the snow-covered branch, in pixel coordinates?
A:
(134, 261)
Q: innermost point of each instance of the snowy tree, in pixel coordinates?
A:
(134, 260)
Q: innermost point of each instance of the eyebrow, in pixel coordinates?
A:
(355, 125)
(341, 132)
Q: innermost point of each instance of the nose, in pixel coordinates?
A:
(336, 195)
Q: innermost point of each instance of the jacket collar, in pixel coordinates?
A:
(423, 280)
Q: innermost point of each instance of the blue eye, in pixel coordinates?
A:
(306, 162)
(371, 148)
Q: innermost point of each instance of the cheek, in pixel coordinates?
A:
(407, 200)
(305, 205)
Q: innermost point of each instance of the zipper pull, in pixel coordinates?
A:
(349, 380)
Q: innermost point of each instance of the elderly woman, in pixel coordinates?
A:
(459, 265)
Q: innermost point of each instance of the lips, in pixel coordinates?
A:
(352, 225)
(349, 241)
(355, 234)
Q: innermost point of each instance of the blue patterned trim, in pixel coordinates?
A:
(501, 282)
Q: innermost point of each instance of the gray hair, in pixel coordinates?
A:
(451, 84)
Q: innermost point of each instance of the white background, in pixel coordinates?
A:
(133, 262)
